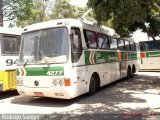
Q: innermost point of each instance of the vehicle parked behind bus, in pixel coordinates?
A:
(9, 49)
(66, 58)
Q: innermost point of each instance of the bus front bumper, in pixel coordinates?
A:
(53, 92)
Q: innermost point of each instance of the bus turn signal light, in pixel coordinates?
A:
(67, 82)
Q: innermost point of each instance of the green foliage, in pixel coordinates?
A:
(62, 9)
(26, 12)
(9, 7)
(126, 16)
(29, 12)
(18, 10)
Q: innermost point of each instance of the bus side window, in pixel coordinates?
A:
(152, 46)
(137, 47)
(132, 46)
(103, 41)
(158, 44)
(121, 44)
(76, 44)
(127, 46)
(11, 44)
(142, 46)
(113, 43)
(90, 38)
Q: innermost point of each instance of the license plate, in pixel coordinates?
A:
(38, 93)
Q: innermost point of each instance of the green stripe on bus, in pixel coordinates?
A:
(153, 54)
(43, 71)
(87, 54)
(17, 72)
(132, 56)
(98, 57)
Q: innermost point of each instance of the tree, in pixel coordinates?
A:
(26, 12)
(62, 9)
(8, 9)
(1, 13)
(30, 11)
(126, 16)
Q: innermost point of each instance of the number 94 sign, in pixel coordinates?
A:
(10, 62)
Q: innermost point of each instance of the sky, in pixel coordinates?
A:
(81, 3)
(140, 36)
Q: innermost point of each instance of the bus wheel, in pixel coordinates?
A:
(93, 85)
(129, 74)
(133, 70)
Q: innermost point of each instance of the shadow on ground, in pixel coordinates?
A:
(133, 99)
(44, 101)
(8, 94)
(137, 96)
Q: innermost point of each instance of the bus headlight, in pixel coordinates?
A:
(61, 82)
(19, 81)
(55, 82)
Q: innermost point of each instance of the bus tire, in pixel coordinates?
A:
(93, 85)
(129, 73)
(133, 70)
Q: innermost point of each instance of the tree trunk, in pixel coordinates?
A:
(1, 13)
(153, 37)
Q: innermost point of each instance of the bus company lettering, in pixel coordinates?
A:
(154, 55)
(99, 58)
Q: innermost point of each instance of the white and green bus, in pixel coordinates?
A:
(66, 58)
(9, 48)
(150, 55)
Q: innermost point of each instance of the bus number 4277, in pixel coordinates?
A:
(54, 73)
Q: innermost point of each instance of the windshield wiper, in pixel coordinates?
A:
(29, 59)
(43, 56)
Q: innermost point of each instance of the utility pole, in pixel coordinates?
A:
(1, 13)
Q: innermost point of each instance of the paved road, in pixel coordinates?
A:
(124, 98)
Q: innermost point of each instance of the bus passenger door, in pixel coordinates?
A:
(122, 64)
(78, 59)
(81, 82)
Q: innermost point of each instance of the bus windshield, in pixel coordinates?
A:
(44, 46)
(149, 46)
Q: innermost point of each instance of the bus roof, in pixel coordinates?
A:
(12, 31)
(51, 24)
(64, 22)
(129, 39)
